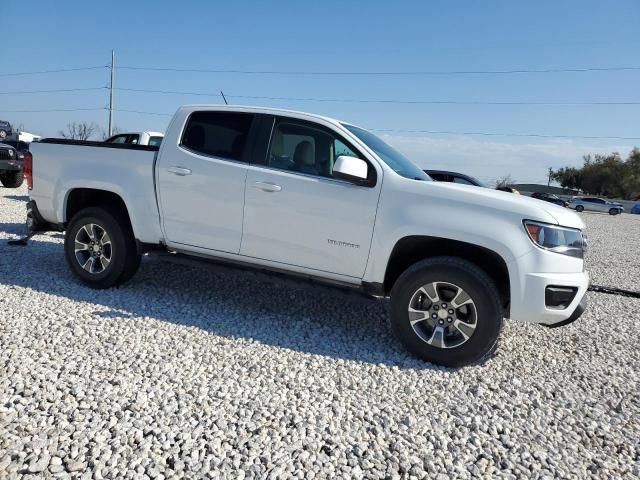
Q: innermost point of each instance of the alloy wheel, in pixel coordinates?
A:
(93, 248)
(442, 314)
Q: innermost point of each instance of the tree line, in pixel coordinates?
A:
(604, 175)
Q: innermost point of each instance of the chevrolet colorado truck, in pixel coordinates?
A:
(322, 199)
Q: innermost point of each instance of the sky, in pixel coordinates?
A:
(344, 36)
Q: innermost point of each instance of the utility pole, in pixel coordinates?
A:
(113, 64)
(550, 174)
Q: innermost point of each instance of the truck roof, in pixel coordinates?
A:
(265, 110)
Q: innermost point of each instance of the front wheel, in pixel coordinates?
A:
(447, 311)
(579, 208)
(11, 179)
(614, 211)
(100, 248)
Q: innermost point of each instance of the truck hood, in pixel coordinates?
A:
(510, 204)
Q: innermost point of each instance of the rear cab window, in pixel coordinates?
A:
(127, 138)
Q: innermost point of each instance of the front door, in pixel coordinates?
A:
(202, 182)
(297, 214)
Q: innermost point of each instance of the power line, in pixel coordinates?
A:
(386, 73)
(53, 91)
(53, 110)
(143, 112)
(449, 132)
(385, 101)
(60, 70)
(496, 134)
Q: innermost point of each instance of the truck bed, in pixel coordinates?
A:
(60, 166)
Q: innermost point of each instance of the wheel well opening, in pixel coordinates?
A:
(413, 249)
(88, 197)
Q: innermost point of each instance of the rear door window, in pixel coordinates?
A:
(218, 134)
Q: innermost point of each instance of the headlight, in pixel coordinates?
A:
(563, 240)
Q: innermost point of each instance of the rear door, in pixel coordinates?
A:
(297, 214)
(202, 181)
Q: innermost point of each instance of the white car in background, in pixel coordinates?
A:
(137, 138)
(593, 204)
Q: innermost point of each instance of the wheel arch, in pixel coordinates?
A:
(79, 198)
(411, 249)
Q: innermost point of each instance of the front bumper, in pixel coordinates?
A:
(11, 165)
(528, 302)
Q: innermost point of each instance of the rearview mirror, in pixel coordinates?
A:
(351, 169)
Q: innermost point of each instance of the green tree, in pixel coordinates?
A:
(606, 175)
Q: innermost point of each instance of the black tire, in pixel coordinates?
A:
(3, 134)
(476, 283)
(614, 211)
(125, 259)
(12, 179)
(579, 208)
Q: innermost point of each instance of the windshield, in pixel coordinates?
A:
(389, 155)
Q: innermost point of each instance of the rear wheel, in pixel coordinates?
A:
(447, 311)
(579, 208)
(100, 248)
(3, 133)
(12, 179)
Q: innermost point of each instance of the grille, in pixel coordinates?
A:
(7, 154)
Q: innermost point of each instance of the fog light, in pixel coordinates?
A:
(559, 297)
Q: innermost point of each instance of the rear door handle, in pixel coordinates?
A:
(179, 170)
(267, 187)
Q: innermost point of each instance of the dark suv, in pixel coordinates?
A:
(5, 129)
(549, 197)
(10, 166)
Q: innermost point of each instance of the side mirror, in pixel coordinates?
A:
(351, 169)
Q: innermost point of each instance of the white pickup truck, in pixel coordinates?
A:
(322, 199)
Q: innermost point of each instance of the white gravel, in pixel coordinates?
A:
(190, 371)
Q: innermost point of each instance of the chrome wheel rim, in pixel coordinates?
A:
(442, 315)
(93, 249)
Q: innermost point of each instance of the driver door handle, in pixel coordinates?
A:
(267, 187)
(181, 171)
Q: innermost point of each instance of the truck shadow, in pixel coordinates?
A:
(223, 301)
(14, 229)
(18, 198)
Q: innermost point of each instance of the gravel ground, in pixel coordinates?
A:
(191, 371)
(614, 244)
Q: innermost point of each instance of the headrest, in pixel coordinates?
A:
(304, 154)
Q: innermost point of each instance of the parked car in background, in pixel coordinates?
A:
(322, 199)
(137, 138)
(11, 162)
(594, 204)
(5, 129)
(636, 208)
(549, 197)
(454, 177)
